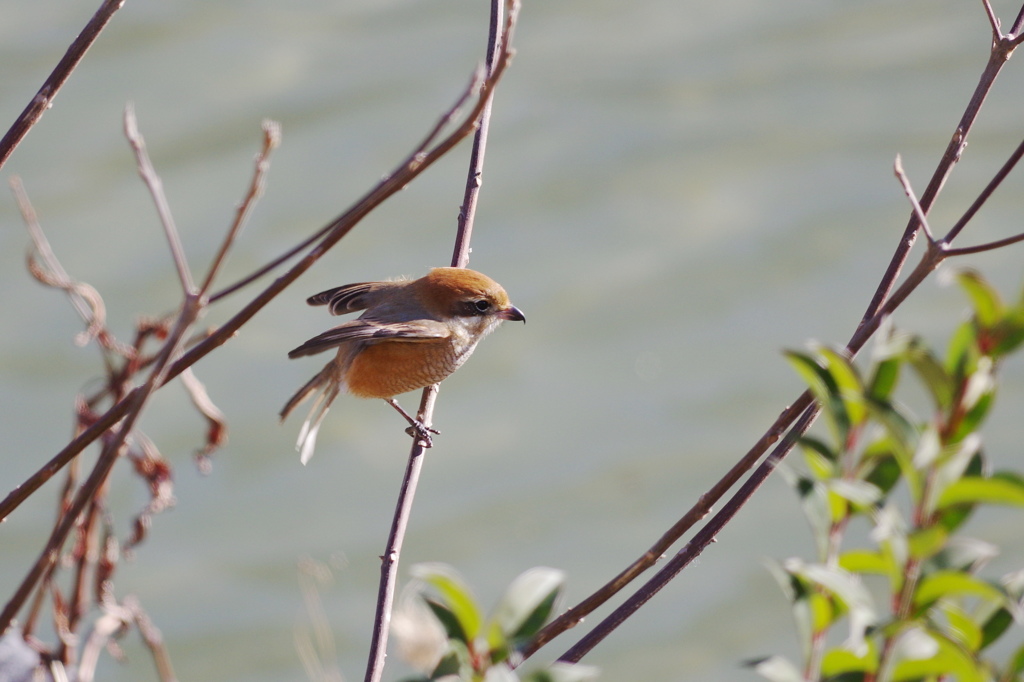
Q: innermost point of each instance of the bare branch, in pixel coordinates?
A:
(882, 304)
(474, 178)
(43, 99)
(989, 246)
(499, 37)
(330, 234)
(135, 403)
(909, 191)
(86, 300)
(993, 20)
(996, 180)
(271, 140)
(156, 190)
(998, 55)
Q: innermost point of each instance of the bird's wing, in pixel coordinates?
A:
(349, 298)
(370, 331)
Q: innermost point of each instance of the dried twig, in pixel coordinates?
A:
(43, 99)
(191, 309)
(156, 190)
(914, 203)
(271, 140)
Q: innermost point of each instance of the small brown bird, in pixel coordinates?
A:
(414, 333)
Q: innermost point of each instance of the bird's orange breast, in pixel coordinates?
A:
(384, 370)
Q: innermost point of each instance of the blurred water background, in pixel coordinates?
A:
(674, 192)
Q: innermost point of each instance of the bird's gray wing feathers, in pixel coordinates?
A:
(369, 331)
(349, 298)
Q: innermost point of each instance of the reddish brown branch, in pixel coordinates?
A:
(43, 99)
(883, 302)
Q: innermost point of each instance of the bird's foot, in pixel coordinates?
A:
(417, 429)
(421, 432)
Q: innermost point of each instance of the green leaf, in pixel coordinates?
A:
(963, 554)
(864, 562)
(826, 391)
(925, 543)
(838, 662)
(454, 663)
(849, 384)
(936, 378)
(454, 595)
(985, 300)
(847, 589)
(953, 516)
(452, 626)
(884, 377)
(900, 439)
(883, 471)
(925, 654)
(860, 494)
(528, 602)
(962, 353)
(1008, 334)
(994, 627)
(943, 584)
(977, 399)
(820, 457)
(1016, 665)
(976, 490)
(962, 628)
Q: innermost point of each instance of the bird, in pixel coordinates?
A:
(413, 333)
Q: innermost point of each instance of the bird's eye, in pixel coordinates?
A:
(481, 306)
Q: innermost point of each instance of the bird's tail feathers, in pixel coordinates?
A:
(327, 390)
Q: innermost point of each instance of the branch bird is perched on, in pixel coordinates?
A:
(414, 333)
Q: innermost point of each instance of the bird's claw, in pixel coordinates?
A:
(421, 432)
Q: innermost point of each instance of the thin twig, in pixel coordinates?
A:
(389, 564)
(884, 301)
(996, 180)
(993, 20)
(84, 298)
(704, 537)
(416, 157)
(70, 451)
(914, 203)
(474, 179)
(271, 139)
(43, 99)
(496, 54)
(156, 189)
(327, 236)
(111, 451)
(988, 246)
(191, 309)
(573, 616)
(998, 55)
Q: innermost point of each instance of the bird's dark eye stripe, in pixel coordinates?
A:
(479, 306)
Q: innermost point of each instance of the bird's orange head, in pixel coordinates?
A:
(466, 295)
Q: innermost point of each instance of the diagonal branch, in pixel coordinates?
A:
(326, 237)
(271, 140)
(43, 99)
(884, 301)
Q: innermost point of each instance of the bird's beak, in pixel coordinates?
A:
(512, 313)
